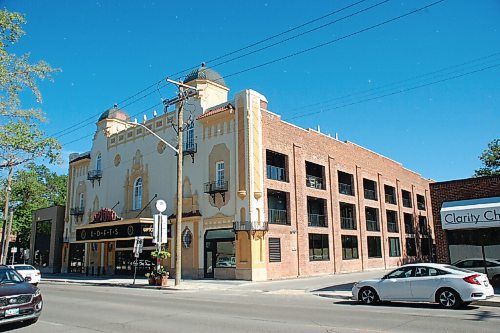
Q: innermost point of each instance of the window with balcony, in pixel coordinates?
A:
(347, 216)
(346, 183)
(409, 226)
(394, 247)
(277, 206)
(219, 173)
(411, 247)
(423, 228)
(390, 194)
(420, 202)
(190, 147)
(349, 247)
(276, 166)
(374, 247)
(406, 199)
(316, 211)
(392, 221)
(371, 215)
(318, 247)
(370, 189)
(315, 175)
(98, 162)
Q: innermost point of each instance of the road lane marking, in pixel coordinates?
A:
(50, 323)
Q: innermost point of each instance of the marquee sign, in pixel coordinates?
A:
(105, 215)
(113, 232)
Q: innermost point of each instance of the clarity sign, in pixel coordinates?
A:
(471, 214)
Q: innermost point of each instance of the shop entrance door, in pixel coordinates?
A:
(210, 255)
(219, 251)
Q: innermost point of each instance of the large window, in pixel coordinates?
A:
(407, 202)
(374, 247)
(394, 247)
(349, 247)
(392, 221)
(98, 162)
(372, 219)
(316, 209)
(370, 189)
(409, 227)
(42, 243)
(346, 183)
(422, 225)
(315, 175)
(347, 216)
(276, 166)
(219, 174)
(137, 204)
(274, 250)
(277, 203)
(425, 246)
(420, 202)
(390, 194)
(318, 247)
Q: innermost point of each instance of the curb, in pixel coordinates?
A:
(109, 284)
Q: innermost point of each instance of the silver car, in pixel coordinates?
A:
(447, 285)
(477, 265)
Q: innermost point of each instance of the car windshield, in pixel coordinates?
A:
(24, 268)
(10, 276)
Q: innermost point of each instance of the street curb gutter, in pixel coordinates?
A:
(349, 298)
(109, 284)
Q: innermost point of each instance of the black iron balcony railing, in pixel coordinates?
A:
(250, 226)
(345, 189)
(77, 211)
(370, 194)
(278, 216)
(314, 182)
(190, 148)
(421, 205)
(94, 175)
(372, 225)
(317, 220)
(215, 187)
(276, 173)
(390, 198)
(407, 203)
(392, 227)
(348, 223)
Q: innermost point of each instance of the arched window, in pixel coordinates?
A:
(98, 162)
(81, 201)
(137, 194)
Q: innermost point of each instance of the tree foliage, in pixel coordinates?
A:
(490, 159)
(34, 187)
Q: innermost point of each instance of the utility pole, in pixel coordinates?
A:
(183, 95)
(3, 256)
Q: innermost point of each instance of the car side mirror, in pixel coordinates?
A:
(27, 279)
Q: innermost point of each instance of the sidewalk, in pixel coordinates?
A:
(337, 286)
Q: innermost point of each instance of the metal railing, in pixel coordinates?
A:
(94, 174)
(390, 198)
(250, 226)
(392, 227)
(407, 203)
(317, 220)
(276, 173)
(345, 189)
(314, 182)
(372, 225)
(278, 216)
(216, 187)
(347, 223)
(190, 147)
(370, 194)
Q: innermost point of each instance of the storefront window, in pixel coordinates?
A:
(225, 255)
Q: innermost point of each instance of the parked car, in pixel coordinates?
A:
(19, 300)
(28, 272)
(447, 285)
(477, 265)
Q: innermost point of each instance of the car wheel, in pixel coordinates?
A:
(449, 298)
(368, 295)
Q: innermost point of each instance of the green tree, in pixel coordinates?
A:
(490, 159)
(34, 187)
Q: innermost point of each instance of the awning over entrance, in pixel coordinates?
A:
(471, 214)
(115, 230)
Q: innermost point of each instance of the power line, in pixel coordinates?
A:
(75, 126)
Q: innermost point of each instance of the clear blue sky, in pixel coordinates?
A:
(109, 50)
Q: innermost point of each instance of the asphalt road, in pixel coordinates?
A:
(85, 308)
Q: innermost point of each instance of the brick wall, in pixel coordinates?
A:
(301, 145)
(463, 189)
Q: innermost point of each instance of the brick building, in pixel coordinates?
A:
(466, 217)
(262, 198)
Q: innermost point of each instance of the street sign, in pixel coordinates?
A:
(13, 249)
(160, 229)
(138, 245)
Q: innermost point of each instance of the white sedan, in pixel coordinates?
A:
(27, 271)
(447, 285)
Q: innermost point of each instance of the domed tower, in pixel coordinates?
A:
(212, 87)
(112, 120)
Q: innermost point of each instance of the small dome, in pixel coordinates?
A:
(114, 113)
(205, 73)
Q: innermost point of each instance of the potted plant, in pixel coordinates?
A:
(159, 275)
